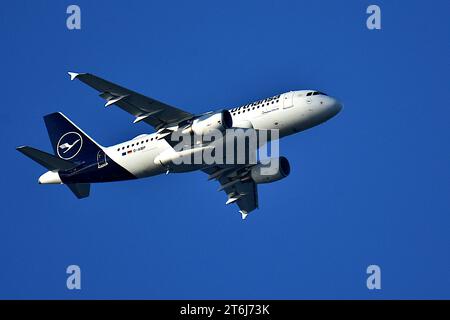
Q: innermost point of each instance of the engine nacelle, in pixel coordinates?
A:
(207, 123)
(276, 169)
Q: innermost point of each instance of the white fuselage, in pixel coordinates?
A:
(289, 112)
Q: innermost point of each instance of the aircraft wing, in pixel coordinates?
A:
(243, 192)
(151, 111)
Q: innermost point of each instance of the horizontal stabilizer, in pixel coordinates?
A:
(81, 190)
(45, 159)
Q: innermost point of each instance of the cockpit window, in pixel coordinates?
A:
(315, 93)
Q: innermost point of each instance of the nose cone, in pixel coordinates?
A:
(50, 177)
(335, 107)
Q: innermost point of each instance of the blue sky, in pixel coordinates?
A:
(371, 186)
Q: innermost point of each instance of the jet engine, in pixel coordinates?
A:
(276, 169)
(206, 124)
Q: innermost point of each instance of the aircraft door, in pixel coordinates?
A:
(101, 159)
(287, 100)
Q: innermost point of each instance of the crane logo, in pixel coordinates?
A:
(69, 145)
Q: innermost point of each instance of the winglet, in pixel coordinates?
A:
(243, 213)
(73, 75)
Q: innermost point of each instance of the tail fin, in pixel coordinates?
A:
(68, 141)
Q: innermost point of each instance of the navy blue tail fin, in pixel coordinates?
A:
(68, 141)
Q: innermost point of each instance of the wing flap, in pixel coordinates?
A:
(242, 191)
(149, 110)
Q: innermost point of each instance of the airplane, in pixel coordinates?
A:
(78, 160)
